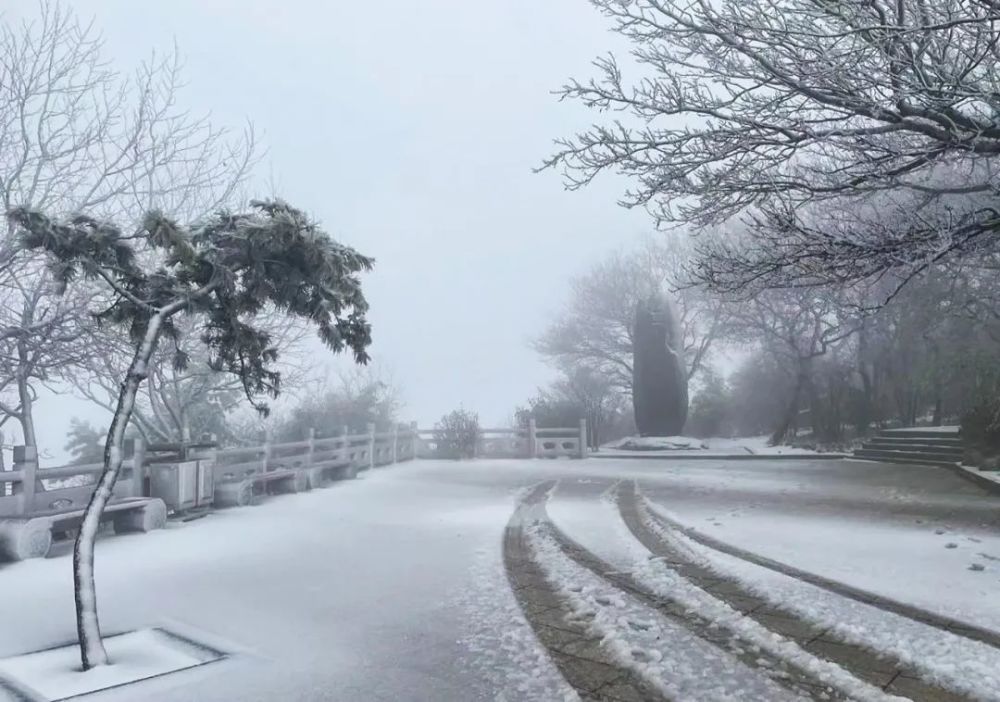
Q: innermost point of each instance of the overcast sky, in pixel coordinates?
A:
(410, 129)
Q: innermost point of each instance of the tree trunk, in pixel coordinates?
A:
(938, 405)
(791, 411)
(863, 419)
(26, 416)
(88, 627)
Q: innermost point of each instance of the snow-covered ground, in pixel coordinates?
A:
(392, 587)
(686, 445)
(951, 570)
(947, 429)
(959, 663)
(904, 537)
(371, 590)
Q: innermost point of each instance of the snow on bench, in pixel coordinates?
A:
(49, 501)
(243, 474)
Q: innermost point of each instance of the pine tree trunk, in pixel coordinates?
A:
(88, 627)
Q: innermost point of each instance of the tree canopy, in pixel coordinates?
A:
(228, 268)
(838, 140)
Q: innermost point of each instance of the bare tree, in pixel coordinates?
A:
(795, 327)
(77, 136)
(596, 397)
(806, 117)
(354, 399)
(46, 336)
(595, 330)
(176, 401)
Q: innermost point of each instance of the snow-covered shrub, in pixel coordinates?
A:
(85, 443)
(457, 434)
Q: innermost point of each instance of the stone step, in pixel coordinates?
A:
(921, 433)
(881, 445)
(907, 457)
(917, 440)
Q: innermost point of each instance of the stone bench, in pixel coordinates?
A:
(242, 484)
(31, 537)
(329, 466)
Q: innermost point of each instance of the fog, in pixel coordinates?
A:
(411, 131)
(621, 349)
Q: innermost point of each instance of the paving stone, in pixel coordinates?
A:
(729, 587)
(787, 626)
(917, 689)
(819, 691)
(556, 618)
(589, 648)
(522, 579)
(533, 607)
(622, 690)
(742, 604)
(585, 674)
(860, 662)
(560, 639)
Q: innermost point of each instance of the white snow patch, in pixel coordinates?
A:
(904, 561)
(948, 429)
(991, 475)
(660, 443)
(55, 674)
(715, 446)
(952, 661)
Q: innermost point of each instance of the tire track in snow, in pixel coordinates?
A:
(646, 634)
(501, 646)
(931, 663)
(634, 570)
(572, 647)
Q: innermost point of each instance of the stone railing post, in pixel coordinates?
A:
(414, 441)
(532, 439)
(583, 438)
(136, 450)
(265, 451)
(395, 442)
(311, 438)
(26, 461)
(371, 444)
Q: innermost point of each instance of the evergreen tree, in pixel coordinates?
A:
(659, 385)
(84, 443)
(226, 270)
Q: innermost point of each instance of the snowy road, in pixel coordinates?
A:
(392, 587)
